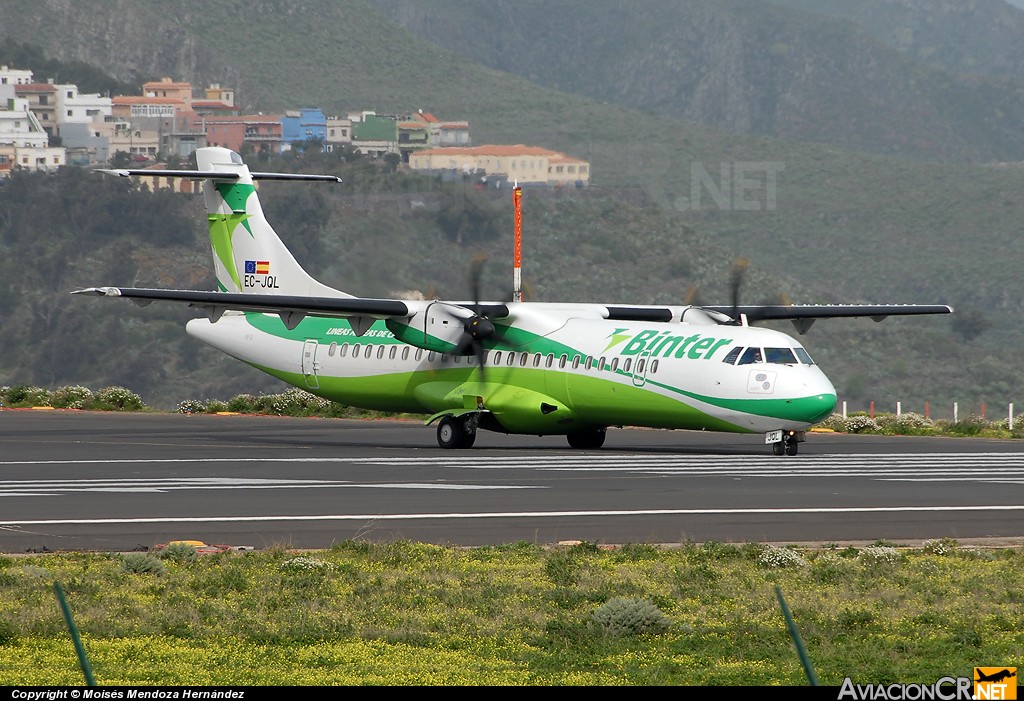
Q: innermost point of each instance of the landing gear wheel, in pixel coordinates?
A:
(778, 448)
(791, 446)
(584, 440)
(452, 433)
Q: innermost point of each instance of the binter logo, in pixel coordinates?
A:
(995, 683)
(662, 344)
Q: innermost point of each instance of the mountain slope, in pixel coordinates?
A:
(744, 65)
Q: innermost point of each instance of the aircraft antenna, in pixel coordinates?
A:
(517, 257)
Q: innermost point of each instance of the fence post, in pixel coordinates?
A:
(983, 410)
(955, 412)
(927, 412)
(872, 412)
(1010, 423)
(844, 410)
(899, 408)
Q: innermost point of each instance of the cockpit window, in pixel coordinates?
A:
(751, 355)
(804, 356)
(733, 354)
(780, 356)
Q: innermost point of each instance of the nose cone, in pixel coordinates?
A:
(818, 407)
(819, 403)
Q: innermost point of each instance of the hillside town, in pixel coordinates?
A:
(46, 125)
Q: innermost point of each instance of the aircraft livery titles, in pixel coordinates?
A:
(662, 344)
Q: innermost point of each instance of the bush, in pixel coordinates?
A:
(26, 395)
(623, 616)
(178, 552)
(72, 397)
(774, 556)
(191, 406)
(119, 398)
(908, 423)
(142, 563)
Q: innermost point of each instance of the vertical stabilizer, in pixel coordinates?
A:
(248, 255)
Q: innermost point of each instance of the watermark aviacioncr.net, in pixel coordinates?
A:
(989, 683)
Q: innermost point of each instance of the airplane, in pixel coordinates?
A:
(996, 677)
(521, 367)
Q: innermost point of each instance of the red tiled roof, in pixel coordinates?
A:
(34, 87)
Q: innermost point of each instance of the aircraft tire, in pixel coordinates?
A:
(792, 447)
(778, 448)
(585, 440)
(451, 434)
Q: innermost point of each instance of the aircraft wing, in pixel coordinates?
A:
(292, 309)
(803, 315)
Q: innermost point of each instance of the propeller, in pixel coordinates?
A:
(477, 328)
(739, 269)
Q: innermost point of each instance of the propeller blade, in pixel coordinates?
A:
(739, 269)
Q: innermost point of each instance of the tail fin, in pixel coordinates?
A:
(248, 255)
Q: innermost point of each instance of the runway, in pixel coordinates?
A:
(118, 482)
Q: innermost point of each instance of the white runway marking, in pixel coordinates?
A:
(509, 514)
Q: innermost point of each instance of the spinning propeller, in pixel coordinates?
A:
(477, 328)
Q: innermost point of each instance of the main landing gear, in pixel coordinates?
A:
(586, 440)
(457, 431)
(785, 442)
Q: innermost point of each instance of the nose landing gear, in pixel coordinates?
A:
(785, 442)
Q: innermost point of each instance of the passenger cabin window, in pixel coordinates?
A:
(804, 356)
(733, 354)
(780, 356)
(393, 353)
(332, 349)
(497, 357)
(627, 364)
(343, 351)
(615, 364)
(380, 352)
(405, 353)
(419, 354)
(511, 358)
(751, 355)
(562, 360)
(654, 366)
(536, 360)
(522, 361)
(550, 360)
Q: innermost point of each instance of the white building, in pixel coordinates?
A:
(74, 107)
(15, 76)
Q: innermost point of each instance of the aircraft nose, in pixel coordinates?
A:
(820, 406)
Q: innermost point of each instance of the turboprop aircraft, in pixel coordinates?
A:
(571, 369)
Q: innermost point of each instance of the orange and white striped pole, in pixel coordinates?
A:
(517, 258)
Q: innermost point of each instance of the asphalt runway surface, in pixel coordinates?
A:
(117, 482)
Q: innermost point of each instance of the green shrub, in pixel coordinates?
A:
(624, 616)
(26, 395)
(178, 552)
(119, 398)
(142, 563)
(191, 406)
(72, 397)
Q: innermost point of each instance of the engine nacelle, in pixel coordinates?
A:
(438, 327)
